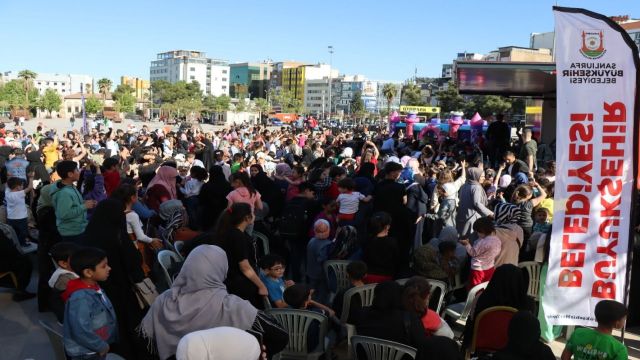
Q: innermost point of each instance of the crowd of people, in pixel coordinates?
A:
(101, 205)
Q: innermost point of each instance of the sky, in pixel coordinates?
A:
(381, 39)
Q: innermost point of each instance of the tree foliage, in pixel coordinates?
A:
(125, 102)
(50, 101)
(16, 96)
(93, 105)
(121, 90)
(104, 86)
(357, 105)
(216, 104)
(389, 92)
(262, 106)
(287, 101)
(166, 92)
(450, 100)
(411, 95)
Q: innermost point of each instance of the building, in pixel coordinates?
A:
(72, 104)
(186, 65)
(140, 86)
(632, 26)
(519, 54)
(275, 81)
(349, 86)
(544, 40)
(251, 79)
(63, 84)
(295, 78)
(382, 100)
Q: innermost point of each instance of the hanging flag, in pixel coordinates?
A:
(596, 142)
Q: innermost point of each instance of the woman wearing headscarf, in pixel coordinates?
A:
(507, 287)
(213, 197)
(162, 187)
(37, 167)
(510, 234)
(524, 340)
(473, 203)
(107, 231)
(270, 192)
(198, 300)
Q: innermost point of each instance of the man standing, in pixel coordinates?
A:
(529, 149)
(498, 138)
(70, 209)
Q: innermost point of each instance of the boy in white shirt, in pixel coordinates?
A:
(17, 213)
(348, 201)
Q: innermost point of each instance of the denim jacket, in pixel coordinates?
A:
(89, 323)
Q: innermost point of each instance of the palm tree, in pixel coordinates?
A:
(28, 76)
(389, 92)
(104, 85)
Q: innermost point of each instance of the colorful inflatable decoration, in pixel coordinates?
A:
(394, 119)
(454, 123)
(477, 125)
(411, 119)
(432, 129)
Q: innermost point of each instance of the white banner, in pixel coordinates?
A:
(596, 92)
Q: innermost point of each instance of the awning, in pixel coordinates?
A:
(508, 79)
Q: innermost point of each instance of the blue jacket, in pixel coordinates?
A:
(89, 323)
(17, 167)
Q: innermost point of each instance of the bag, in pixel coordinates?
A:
(293, 219)
(345, 244)
(145, 292)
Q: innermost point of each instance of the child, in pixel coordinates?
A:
(61, 254)
(317, 254)
(542, 223)
(296, 178)
(356, 271)
(237, 163)
(483, 253)
(93, 187)
(191, 190)
(336, 174)
(598, 343)
(90, 321)
(415, 298)
(298, 296)
(272, 273)
(349, 201)
(523, 197)
(111, 174)
(17, 212)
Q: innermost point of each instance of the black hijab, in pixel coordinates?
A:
(213, 196)
(524, 343)
(37, 166)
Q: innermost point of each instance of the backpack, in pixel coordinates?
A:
(293, 220)
(345, 244)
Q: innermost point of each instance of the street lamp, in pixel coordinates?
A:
(330, 71)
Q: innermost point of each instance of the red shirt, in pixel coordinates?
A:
(332, 192)
(431, 322)
(111, 181)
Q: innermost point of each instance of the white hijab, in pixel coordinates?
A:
(222, 343)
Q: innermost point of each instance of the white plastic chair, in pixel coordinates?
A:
(54, 333)
(433, 284)
(166, 258)
(263, 239)
(178, 246)
(297, 324)
(337, 268)
(533, 270)
(379, 349)
(461, 311)
(365, 293)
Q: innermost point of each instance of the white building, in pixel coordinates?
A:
(316, 88)
(63, 84)
(183, 65)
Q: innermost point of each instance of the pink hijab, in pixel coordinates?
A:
(166, 177)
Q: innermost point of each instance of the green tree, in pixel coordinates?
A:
(125, 103)
(14, 93)
(262, 106)
(411, 95)
(187, 106)
(122, 89)
(50, 101)
(357, 105)
(221, 104)
(93, 105)
(28, 76)
(104, 86)
(389, 92)
(450, 100)
(490, 104)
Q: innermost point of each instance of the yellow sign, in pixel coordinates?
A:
(420, 109)
(533, 110)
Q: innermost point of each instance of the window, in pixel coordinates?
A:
(69, 109)
(62, 90)
(62, 84)
(224, 71)
(192, 77)
(55, 84)
(39, 83)
(224, 79)
(192, 69)
(224, 88)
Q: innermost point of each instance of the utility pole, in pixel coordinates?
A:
(330, 71)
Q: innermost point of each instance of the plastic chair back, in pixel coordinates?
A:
(442, 287)
(491, 328)
(264, 240)
(54, 333)
(166, 258)
(178, 246)
(533, 270)
(366, 297)
(336, 272)
(297, 324)
(379, 349)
